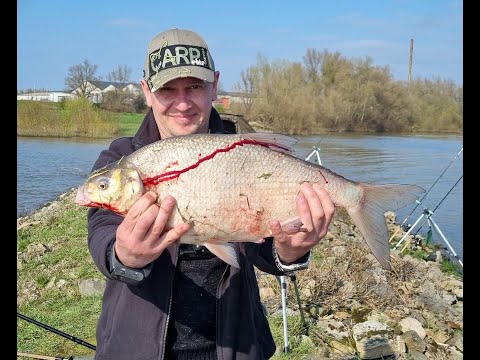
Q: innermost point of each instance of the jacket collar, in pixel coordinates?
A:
(148, 131)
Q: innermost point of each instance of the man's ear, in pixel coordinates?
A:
(216, 77)
(146, 92)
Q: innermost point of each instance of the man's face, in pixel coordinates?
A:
(182, 106)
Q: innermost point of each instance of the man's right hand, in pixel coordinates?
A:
(142, 236)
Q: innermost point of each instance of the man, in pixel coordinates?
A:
(169, 301)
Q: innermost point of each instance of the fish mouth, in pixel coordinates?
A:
(80, 198)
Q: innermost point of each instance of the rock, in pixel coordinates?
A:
(371, 340)
(333, 328)
(414, 342)
(410, 323)
(91, 287)
(339, 348)
(442, 336)
(266, 293)
(374, 347)
(417, 355)
(458, 294)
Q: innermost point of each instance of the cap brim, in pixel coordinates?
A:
(161, 78)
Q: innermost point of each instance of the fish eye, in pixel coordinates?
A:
(103, 185)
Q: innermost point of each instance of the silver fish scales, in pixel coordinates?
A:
(228, 187)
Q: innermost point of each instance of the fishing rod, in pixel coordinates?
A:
(429, 215)
(425, 195)
(444, 197)
(58, 332)
(316, 151)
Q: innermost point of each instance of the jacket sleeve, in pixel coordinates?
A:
(102, 223)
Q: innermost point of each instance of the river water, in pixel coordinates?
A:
(47, 168)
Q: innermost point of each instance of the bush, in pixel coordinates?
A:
(72, 118)
(36, 118)
(82, 118)
(123, 101)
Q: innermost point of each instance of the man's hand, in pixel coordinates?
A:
(142, 236)
(315, 209)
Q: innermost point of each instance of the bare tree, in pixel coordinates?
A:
(247, 85)
(79, 78)
(121, 74)
(313, 61)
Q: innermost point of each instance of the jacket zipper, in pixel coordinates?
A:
(216, 306)
(169, 307)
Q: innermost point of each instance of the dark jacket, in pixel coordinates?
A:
(133, 321)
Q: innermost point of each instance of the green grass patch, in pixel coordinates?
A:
(129, 123)
(72, 118)
(72, 315)
(449, 267)
(296, 343)
(53, 259)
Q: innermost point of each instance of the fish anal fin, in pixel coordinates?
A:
(224, 251)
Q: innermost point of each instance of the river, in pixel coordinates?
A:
(49, 167)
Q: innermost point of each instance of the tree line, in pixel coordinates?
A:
(328, 92)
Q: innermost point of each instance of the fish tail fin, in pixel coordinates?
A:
(369, 215)
(225, 251)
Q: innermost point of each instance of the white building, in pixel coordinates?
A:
(96, 88)
(54, 96)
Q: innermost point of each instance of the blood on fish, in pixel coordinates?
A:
(172, 164)
(324, 178)
(170, 175)
(249, 220)
(103, 206)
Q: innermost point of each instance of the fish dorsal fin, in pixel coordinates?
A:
(276, 142)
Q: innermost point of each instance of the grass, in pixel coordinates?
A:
(74, 118)
(129, 123)
(448, 266)
(55, 259)
(452, 268)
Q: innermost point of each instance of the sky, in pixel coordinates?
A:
(53, 35)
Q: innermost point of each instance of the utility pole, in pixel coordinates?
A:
(410, 63)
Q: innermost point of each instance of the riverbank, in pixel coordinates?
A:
(353, 309)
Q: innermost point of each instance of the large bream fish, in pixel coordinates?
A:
(228, 187)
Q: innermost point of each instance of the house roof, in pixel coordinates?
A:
(104, 84)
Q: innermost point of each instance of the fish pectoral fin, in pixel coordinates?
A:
(292, 226)
(224, 251)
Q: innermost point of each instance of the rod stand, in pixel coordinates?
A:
(293, 278)
(283, 286)
(316, 152)
(429, 214)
